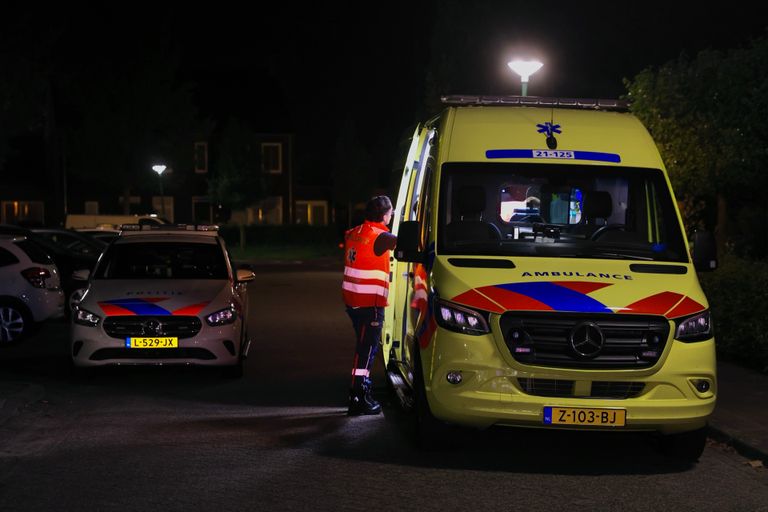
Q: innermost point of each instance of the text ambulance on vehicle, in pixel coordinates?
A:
(544, 278)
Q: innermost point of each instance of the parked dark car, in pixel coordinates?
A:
(102, 234)
(74, 241)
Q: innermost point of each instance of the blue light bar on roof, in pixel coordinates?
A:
(544, 154)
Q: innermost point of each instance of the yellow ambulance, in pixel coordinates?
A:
(543, 277)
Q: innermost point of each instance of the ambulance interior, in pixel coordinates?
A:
(558, 210)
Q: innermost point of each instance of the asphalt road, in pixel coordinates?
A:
(278, 439)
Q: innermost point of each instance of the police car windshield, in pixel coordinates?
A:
(162, 260)
(558, 211)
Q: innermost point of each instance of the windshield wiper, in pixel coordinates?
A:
(620, 256)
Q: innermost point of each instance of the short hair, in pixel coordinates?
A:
(376, 208)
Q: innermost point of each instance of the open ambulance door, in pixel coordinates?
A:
(398, 326)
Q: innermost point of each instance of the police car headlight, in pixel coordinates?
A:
(460, 319)
(85, 317)
(223, 317)
(696, 327)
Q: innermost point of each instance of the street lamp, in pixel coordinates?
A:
(524, 68)
(159, 169)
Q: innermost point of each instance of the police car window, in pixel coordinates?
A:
(163, 261)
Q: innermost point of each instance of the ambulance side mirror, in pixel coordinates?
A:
(704, 251)
(408, 240)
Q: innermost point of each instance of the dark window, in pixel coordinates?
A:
(35, 252)
(163, 260)
(7, 258)
(201, 157)
(272, 157)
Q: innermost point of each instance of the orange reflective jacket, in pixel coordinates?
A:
(366, 276)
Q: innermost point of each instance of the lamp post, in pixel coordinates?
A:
(524, 68)
(159, 169)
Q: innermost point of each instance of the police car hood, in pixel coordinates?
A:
(569, 285)
(118, 297)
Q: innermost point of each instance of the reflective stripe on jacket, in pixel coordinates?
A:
(366, 276)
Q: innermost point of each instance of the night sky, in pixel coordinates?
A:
(286, 67)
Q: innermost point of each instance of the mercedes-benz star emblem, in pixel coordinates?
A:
(153, 326)
(587, 339)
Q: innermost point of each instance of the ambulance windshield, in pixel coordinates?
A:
(558, 211)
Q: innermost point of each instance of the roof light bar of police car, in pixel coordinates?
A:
(536, 101)
(169, 227)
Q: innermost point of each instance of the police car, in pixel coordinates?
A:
(163, 295)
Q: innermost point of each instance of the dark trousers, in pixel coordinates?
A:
(367, 323)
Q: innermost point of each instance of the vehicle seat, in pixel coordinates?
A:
(596, 205)
(468, 223)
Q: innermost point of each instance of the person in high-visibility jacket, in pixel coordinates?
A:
(365, 289)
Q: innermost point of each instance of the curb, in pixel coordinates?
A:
(743, 448)
(11, 403)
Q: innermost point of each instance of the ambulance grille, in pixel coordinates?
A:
(628, 341)
(181, 327)
(616, 389)
(546, 387)
(565, 388)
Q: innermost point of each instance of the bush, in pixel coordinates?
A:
(736, 293)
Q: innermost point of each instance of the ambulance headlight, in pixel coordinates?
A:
(223, 317)
(696, 327)
(460, 319)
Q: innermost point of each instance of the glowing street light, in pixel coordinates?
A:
(160, 169)
(524, 68)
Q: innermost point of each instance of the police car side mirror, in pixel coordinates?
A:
(704, 251)
(408, 240)
(245, 276)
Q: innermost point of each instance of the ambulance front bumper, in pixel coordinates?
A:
(668, 398)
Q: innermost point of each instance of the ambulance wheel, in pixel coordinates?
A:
(686, 447)
(431, 433)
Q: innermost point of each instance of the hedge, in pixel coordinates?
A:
(738, 297)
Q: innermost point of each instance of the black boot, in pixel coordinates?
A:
(359, 405)
(368, 389)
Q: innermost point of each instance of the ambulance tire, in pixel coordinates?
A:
(431, 433)
(685, 447)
